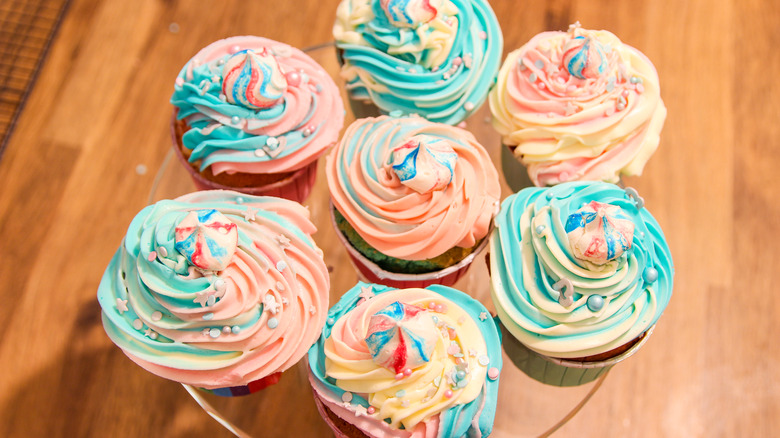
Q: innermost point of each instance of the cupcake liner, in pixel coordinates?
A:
(251, 388)
(515, 173)
(337, 433)
(561, 372)
(370, 272)
(295, 187)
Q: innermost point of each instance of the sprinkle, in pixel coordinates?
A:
(400, 393)
(539, 64)
(636, 80)
(399, 376)
(483, 360)
(235, 120)
(235, 329)
(371, 410)
(138, 324)
(483, 316)
(282, 240)
(446, 76)
(312, 309)
(331, 321)
(221, 62)
(346, 397)
(148, 332)
(239, 200)
(437, 381)
(493, 373)
(405, 403)
(272, 142)
(566, 289)
(214, 333)
(279, 286)
(482, 34)
(205, 332)
(640, 88)
(152, 256)
(281, 265)
(121, 305)
(366, 293)
(220, 285)
(179, 81)
(234, 49)
(532, 77)
(153, 335)
(259, 153)
(540, 229)
(621, 106)
(222, 97)
(541, 86)
(521, 65)
(306, 132)
(468, 106)
(318, 87)
(460, 375)
(457, 61)
(156, 315)
(448, 393)
(595, 302)
(408, 372)
(249, 213)
(611, 84)
(208, 316)
(650, 275)
(211, 300)
(162, 251)
(462, 125)
(273, 323)
(226, 330)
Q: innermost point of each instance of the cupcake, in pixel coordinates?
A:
(580, 274)
(217, 289)
(407, 362)
(435, 58)
(413, 200)
(576, 105)
(253, 115)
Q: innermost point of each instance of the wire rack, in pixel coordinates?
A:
(26, 31)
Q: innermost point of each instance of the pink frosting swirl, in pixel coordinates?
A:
(254, 317)
(393, 217)
(578, 105)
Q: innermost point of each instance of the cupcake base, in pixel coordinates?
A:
(370, 272)
(515, 173)
(295, 186)
(340, 427)
(251, 388)
(567, 372)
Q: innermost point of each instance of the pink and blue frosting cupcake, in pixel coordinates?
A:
(407, 362)
(217, 289)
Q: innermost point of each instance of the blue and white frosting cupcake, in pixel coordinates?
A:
(435, 58)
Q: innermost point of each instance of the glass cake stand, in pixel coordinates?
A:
(526, 408)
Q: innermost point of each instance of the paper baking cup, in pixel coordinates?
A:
(251, 388)
(515, 173)
(561, 372)
(370, 272)
(295, 187)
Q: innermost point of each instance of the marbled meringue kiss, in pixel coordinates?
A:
(578, 105)
(578, 269)
(413, 189)
(256, 106)
(435, 58)
(216, 289)
(408, 363)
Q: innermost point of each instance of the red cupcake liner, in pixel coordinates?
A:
(296, 187)
(251, 388)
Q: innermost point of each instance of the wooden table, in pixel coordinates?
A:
(94, 133)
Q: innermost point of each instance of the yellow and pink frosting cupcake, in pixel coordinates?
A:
(577, 105)
(413, 200)
(217, 289)
(408, 363)
(252, 114)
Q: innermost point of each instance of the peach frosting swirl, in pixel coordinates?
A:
(390, 214)
(254, 317)
(578, 105)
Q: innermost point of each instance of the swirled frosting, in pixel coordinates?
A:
(397, 219)
(578, 105)
(565, 306)
(450, 392)
(255, 105)
(435, 58)
(216, 326)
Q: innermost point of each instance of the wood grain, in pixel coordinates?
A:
(70, 187)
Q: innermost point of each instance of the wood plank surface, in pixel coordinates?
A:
(95, 134)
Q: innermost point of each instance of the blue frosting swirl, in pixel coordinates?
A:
(445, 93)
(531, 257)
